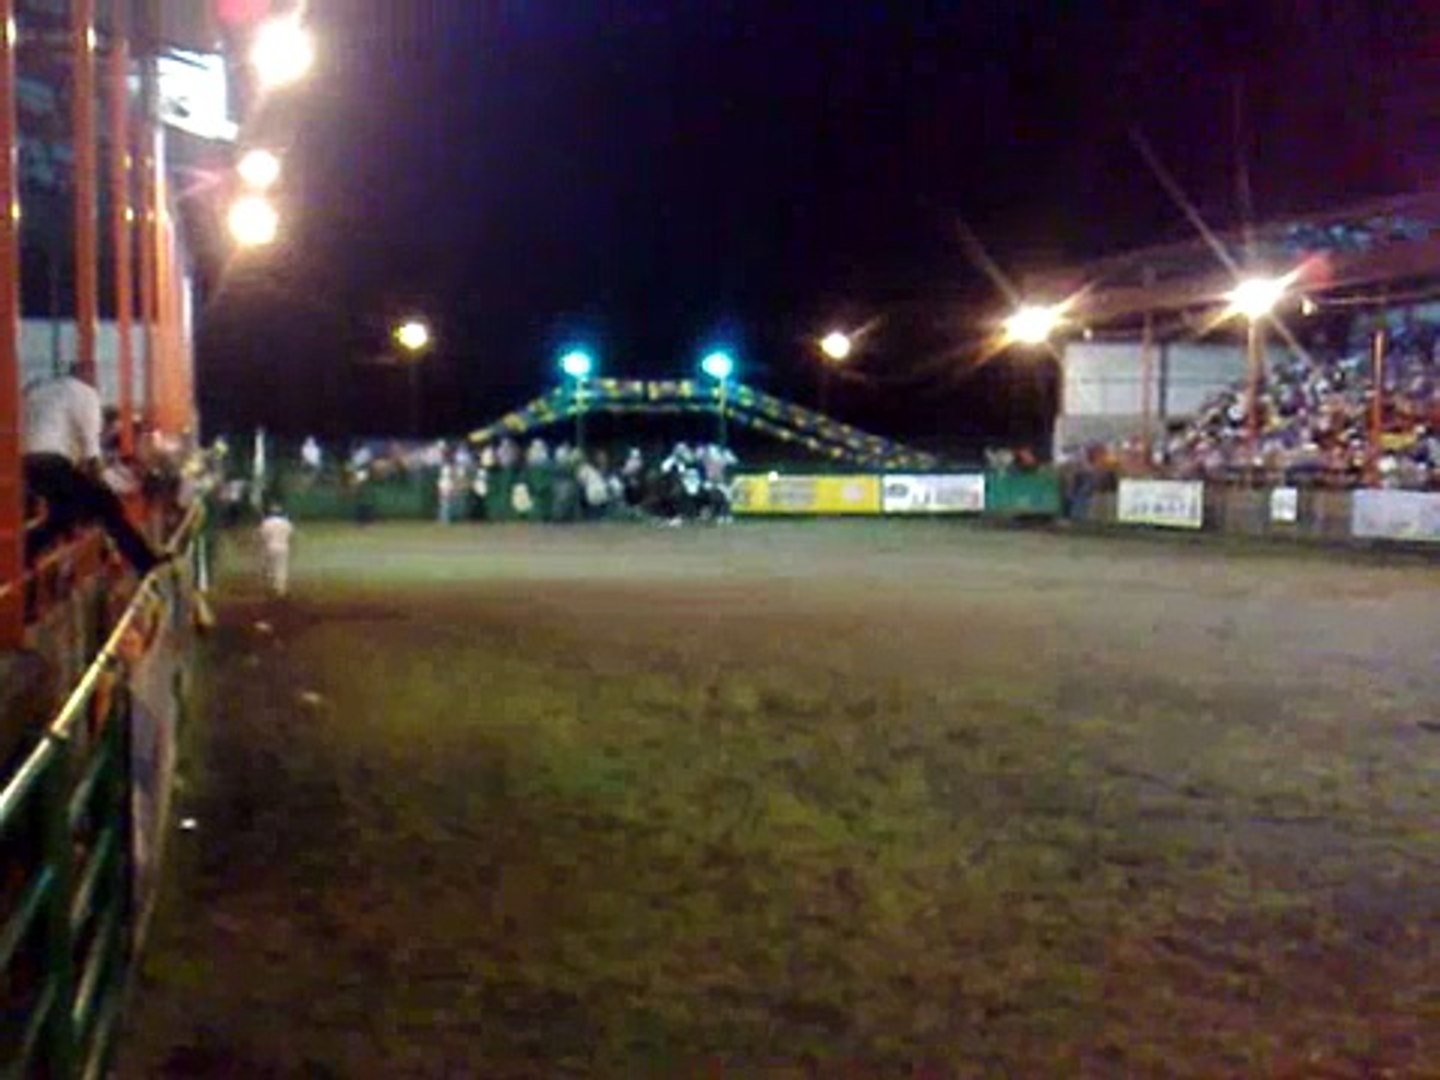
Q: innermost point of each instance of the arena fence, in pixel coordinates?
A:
(82, 830)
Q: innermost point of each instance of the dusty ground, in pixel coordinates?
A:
(858, 799)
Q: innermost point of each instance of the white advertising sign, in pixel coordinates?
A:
(194, 95)
(954, 494)
(1172, 504)
(1284, 506)
(1395, 515)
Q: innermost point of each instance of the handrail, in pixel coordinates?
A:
(70, 711)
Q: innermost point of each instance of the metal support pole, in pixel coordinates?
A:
(121, 216)
(83, 128)
(149, 220)
(412, 376)
(1147, 381)
(12, 484)
(169, 416)
(581, 404)
(1377, 400)
(1254, 344)
(1057, 422)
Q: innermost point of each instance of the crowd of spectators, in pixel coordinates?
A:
(1315, 424)
(513, 481)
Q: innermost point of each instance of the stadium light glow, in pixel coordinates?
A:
(412, 335)
(837, 346)
(1034, 324)
(282, 52)
(1256, 297)
(719, 365)
(577, 364)
(253, 221)
(259, 169)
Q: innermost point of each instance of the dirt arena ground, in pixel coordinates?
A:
(793, 799)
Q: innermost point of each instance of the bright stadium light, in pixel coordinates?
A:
(283, 51)
(259, 169)
(1255, 298)
(577, 364)
(253, 221)
(1034, 324)
(837, 346)
(719, 365)
(412, 335)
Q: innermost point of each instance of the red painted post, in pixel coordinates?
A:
(122, 214)
(12, 480)
(148, 260)
(83, 129)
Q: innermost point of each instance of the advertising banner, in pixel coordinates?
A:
(960, 493)
(1170, 504)
(774, 494)
(1395, 515)
(1284, 506)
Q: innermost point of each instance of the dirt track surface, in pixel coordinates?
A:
(858, 798)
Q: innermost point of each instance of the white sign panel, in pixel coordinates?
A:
(1284, 506)
(194, 95)
(955, 494)
(1172, 504)
(1395, 515)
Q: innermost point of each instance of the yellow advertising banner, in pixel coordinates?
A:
(771, 493)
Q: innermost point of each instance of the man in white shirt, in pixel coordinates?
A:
(63, 422)
(275, 533)
(445, 485)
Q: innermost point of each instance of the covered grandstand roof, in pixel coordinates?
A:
(1375, 248)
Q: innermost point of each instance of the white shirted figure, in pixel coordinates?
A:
(312, 455)
(275, 533)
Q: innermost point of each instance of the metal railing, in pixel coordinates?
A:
(69, 935)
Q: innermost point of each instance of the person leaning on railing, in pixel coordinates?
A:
(62, 460)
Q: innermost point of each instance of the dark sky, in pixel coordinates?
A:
(652, 176)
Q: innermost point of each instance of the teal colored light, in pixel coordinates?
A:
(577, 363)
(719, 365)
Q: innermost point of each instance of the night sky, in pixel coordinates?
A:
(656, 176)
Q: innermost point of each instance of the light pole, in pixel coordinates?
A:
(413, 337)
(1032, 326)
(719, 365)
(282, 52)
(1255, 299)
(254, 222)
(835, 348)
(259, 169)
(578, 365)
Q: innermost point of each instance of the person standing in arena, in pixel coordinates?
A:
(62, 462)
(276, 532)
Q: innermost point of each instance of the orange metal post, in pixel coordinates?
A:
(121, 213)
(12, 484)
(166, 418)
(148, 260)
(87, 288)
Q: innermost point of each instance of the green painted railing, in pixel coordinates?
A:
(68, 937)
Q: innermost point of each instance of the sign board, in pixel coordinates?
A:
(776, 494)
(1377, 514)
(1284, 506)
(962, 493)
(1170, 504)
(195, 95)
